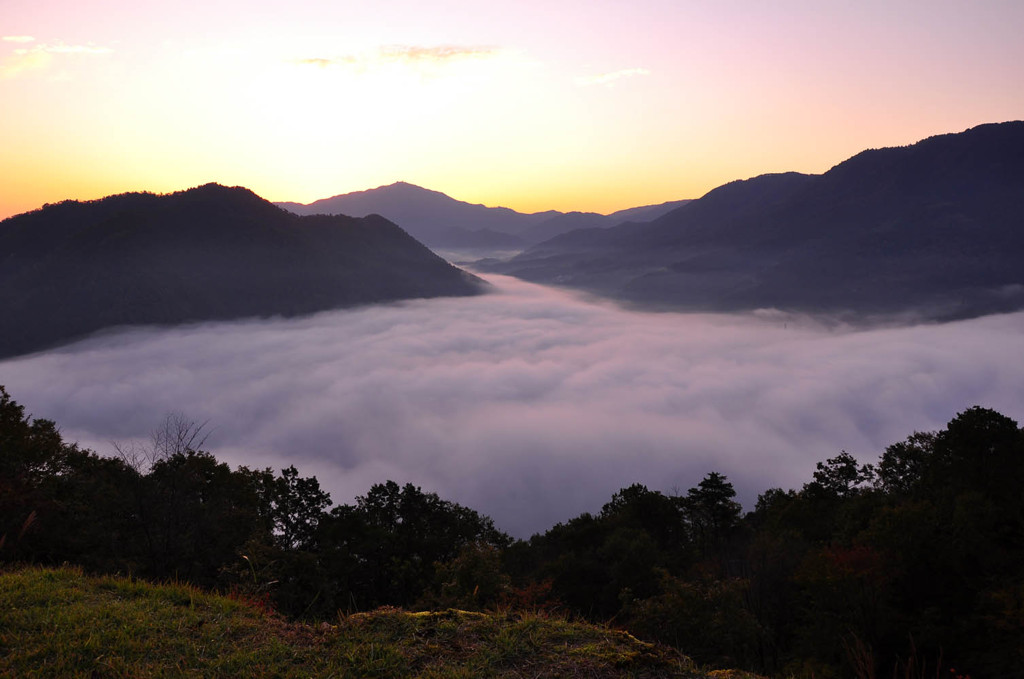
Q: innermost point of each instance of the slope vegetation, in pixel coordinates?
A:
(936, 228)
(63, 623)
(209, 253)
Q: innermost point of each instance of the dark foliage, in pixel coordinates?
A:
(209, 253)
(387, 546)
(936, 228)
(915, 562)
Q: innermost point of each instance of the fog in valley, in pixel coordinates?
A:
(529, 404)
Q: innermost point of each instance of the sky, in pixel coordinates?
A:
(530, 404)
(532, 104)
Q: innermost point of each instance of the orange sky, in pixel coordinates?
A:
(533, 105)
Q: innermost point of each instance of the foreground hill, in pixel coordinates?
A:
(62, 623)
(444, 222)
(936, 227)
(209, 253)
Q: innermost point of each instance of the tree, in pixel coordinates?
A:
(840, 476)
(981, 450)
(196, 516)
(704, 617)
(710, 511)
(295, 506)
(473, 580)
(902, 465)
(176, 435)
(31, 452)
(385, 548)
(654, 513)
(32, 448)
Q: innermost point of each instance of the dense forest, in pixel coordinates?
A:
(910, 567)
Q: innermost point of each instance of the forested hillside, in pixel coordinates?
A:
(910, 567)
(208, 253)
(935, 228)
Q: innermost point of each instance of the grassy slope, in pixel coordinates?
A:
(61, 623)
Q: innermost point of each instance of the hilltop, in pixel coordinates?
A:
(208, 253)
(60, 622)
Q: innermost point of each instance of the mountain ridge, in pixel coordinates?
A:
(441, 221)
(936, 227)
(207, 253)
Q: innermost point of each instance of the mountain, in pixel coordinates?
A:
(208, 253)
(935, 228)
(566, 222)
(429, 216)
(645, 213)
(443, 222)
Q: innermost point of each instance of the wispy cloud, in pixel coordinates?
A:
(411, 55)
(22, 62)
(610, 78)
(324, 62)
(415, 54)
(41, 56)
(61, 48)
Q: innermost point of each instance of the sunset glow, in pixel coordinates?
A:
(532, 105)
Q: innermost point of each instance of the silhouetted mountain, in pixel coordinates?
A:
(646, 213)
(936, 227)
(566, 222)
(443, 222)
(429, 216)
(484, 239)
(207, 253)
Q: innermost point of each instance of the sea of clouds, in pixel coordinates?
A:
(529, 404)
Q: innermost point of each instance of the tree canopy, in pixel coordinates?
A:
(914, 563)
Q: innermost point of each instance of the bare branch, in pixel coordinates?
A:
(178, 435)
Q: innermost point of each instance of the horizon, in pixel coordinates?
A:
(573, 108)
(366, 190)
(488, 205)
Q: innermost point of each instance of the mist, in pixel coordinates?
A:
(530, 404)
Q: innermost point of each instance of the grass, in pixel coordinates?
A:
(61, 623)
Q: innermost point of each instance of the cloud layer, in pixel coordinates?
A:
(530, 404)
(39, 56)
(410, 55)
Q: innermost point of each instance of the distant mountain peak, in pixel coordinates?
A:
(441, 221)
